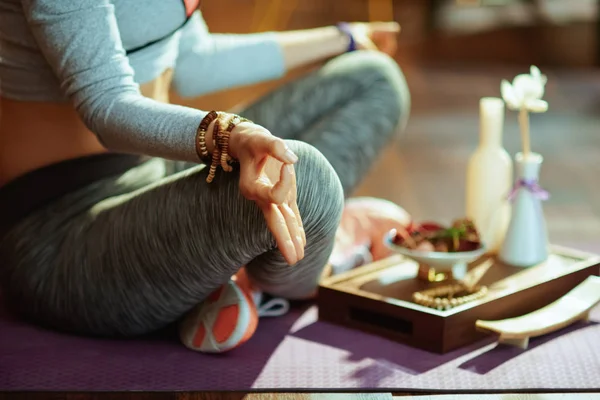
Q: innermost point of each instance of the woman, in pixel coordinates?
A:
(109, 224)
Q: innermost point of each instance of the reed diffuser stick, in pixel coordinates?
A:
(524, 125)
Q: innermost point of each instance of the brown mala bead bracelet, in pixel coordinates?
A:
(223, 142)
(201, 148)
(448, 296)
(220, 155)
(216, 155)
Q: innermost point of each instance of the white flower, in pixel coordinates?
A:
(526, 91)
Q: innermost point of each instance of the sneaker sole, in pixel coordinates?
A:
(225, 320)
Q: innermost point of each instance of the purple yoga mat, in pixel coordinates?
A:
(293, 352)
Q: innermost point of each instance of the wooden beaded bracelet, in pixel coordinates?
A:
(220, 155)
(216, 154)
(201, 148)
(223, 142)
(443, 297)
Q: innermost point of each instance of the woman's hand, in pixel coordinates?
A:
(382, 36)
(267, 177)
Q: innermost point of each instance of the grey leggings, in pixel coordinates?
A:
(131, 254)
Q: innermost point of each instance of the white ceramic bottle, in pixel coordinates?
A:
(490, 177)
(526, 241)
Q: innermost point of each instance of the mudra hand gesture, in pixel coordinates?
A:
(267, 177)
(267, 174)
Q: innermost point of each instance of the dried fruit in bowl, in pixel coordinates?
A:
(461, 236)
(430, 227)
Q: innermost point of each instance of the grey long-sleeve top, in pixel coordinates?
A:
(76, 50)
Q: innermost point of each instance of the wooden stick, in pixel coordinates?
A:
(524, 125)
(474, 276)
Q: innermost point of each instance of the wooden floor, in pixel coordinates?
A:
(298, 396)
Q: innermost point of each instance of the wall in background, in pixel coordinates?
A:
(427, 39)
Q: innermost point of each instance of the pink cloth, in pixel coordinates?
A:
(365, 222)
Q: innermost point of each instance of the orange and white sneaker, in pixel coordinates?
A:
(228, 317)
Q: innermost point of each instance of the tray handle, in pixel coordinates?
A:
(572, 307)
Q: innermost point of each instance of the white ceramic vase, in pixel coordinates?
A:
(526, 240)
(490, 177)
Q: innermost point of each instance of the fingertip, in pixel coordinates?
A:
(289, 156)
(286, 176)
(291, 254)
(283, 153)
(300, 249)
(290, 170)
(390, 26)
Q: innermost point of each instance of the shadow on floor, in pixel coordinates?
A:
(389, 354)
(492, 359)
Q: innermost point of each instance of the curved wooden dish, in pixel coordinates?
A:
(572, 307)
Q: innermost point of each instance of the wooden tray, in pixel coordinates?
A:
(377, 298)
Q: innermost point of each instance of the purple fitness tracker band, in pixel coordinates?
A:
(344, 27)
